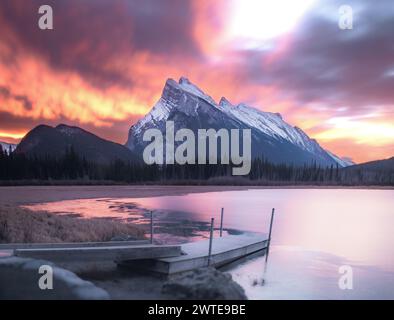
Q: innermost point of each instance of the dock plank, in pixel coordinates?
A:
(13, 246)
(109, 253)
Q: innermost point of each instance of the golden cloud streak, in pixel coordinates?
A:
(360, 131)
(16, 135)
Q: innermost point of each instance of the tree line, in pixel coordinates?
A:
(72, 167)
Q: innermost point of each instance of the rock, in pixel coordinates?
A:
(204, 284)
(19, 279)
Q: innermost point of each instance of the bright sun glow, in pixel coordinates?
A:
(260, 20)
(18, 135)
(375, 134)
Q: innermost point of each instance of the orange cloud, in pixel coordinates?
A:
(211, 20)
(60, 94)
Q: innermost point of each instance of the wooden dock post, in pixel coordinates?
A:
(221, 223)
(151, 227)
(269, 244)
(210, 242)
(270, 233)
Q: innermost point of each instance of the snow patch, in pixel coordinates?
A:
(6, 147)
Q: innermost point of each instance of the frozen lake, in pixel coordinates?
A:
(316, 231)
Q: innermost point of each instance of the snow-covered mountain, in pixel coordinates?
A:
(6, 146)
(189, 107)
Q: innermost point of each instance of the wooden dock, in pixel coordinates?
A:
(163, 259)
(195, 255)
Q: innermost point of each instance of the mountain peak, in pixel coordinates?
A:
(54, 141)
(279, 115)
(186, 85)
(66, 126)
(68, 130)
(184, 80)
(225, 103)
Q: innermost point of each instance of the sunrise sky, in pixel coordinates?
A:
(105, 63)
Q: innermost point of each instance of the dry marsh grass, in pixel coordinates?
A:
(19, 225)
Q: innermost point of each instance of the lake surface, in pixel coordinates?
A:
(315, 232)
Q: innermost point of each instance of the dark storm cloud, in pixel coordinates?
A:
(9, 122)
(323, 63)
(8, 95)
(88, 35)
